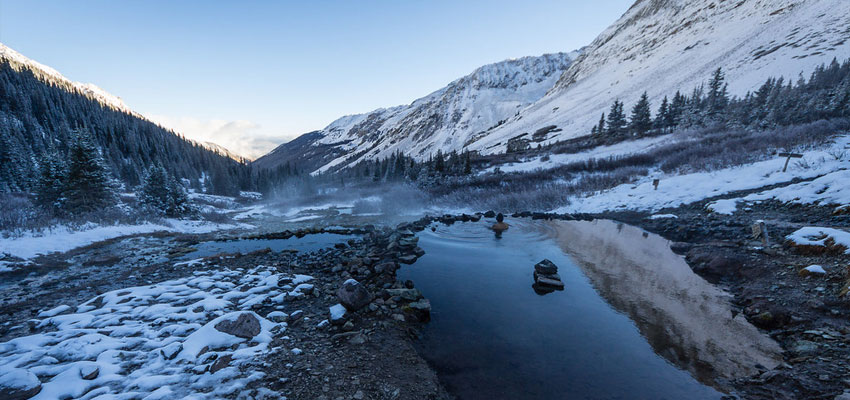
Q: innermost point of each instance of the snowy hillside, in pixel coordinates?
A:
(447, 119)
(661, 46)
(89, 89)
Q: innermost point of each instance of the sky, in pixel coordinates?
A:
(250, 75)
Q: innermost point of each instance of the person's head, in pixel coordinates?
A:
(500, 217)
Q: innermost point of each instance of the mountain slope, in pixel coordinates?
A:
(661, 46)
(446, 119)
(18, 61)
(40, 110)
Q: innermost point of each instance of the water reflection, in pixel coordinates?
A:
(491, 337)
(684, 318)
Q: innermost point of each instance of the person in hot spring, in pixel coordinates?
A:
(500, 225)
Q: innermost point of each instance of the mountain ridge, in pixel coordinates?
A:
(445, 119)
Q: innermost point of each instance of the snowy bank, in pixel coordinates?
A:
(62, 239)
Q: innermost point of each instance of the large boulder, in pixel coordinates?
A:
(246, 326)
(353, 295)
(18, 384)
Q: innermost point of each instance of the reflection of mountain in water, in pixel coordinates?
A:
(686, 320)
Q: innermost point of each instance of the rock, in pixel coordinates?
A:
(386, 267)
(246, 326)
(421, 310)
(353, 296)
(541, 290)
(803, 348)
(89, 372)
(221, 363)
(680, 247)
(18, 384)
(714, 263)
(295, 316)
(408, 284)
(349, 326)
(358, 395)
(843, 396)
(407, 259)
(337, 314)
(546, 267)
(406, 294)
(759, 230)
(812, 270)
(549, 280)
(171, 351)
(277, 316)
(490, 214)
(841, 210)
(418, 252)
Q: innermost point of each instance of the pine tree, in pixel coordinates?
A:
(161, 193)
(600, 128)
(88, 186)
(641, 119)
(616, 119)
(718, 95)
(48, 189)
(662, 118)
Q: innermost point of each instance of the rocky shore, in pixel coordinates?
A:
(354, 327)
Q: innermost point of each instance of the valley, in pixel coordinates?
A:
(663, 212)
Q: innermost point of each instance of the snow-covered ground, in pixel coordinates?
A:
(601, 152)
(62, 238)
(159, 341)
(821, 237)
(675, 190)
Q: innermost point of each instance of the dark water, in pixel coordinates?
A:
(492, 337)
(304, 244)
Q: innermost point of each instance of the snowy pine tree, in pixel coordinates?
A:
(641, 118)
(88, 187)
(161, 193)
(616, 119)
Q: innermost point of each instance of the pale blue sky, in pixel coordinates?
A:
(251, 74)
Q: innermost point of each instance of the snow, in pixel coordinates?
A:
(818, 236)
(829, 189)
(63, 238)
(147, 340)
(17, 378)
(676, 190)
(54, 311)
(815, 269)
(663, 216)
(725, 206)
(624, 148)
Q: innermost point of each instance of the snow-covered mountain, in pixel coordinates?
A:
(657, 46)
(661, 46)
(89, 89)
(447, 119)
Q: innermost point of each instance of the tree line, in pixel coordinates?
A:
(777, 102)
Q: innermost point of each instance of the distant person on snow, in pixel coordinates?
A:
(500, 225)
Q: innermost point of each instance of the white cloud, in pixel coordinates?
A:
(241, 137)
